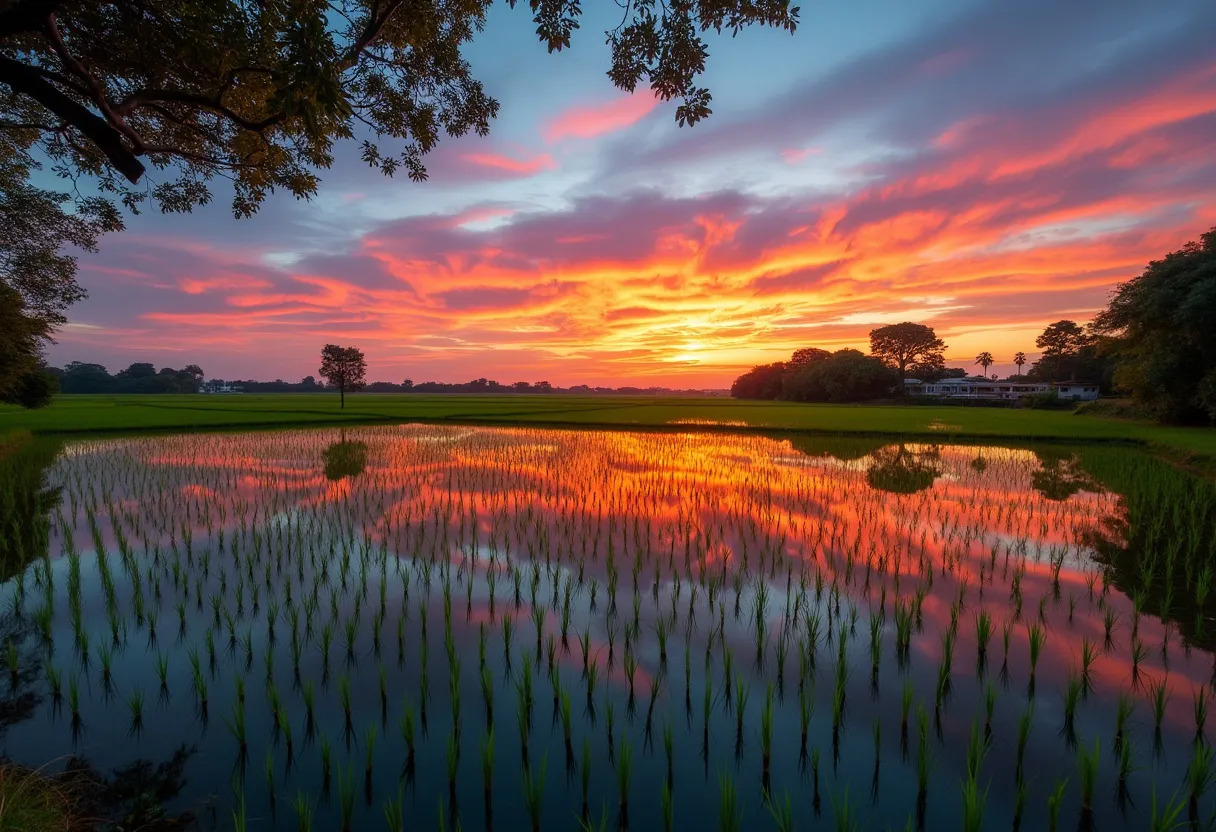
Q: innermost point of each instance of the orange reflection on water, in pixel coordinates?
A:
(873, 519)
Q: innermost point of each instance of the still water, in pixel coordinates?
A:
(521, 629)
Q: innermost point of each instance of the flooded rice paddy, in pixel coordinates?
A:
(451, 627)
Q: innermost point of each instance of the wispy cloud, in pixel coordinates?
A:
(586, 122)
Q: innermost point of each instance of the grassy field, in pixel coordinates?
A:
(75, 414)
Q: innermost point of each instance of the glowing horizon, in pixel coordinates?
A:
(868, 170)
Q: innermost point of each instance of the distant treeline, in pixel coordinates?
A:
(481, 385)
(81, 377)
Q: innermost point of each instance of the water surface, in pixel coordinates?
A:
(618, 606)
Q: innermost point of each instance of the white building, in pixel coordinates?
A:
(219, 387)
(981, 388)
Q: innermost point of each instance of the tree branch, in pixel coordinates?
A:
(138, 99)
(98, 92)
(374, 24)
(26, 80)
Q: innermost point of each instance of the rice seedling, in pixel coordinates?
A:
(305, 813)
(1088, 654)
(268, 772)
(237, 727)
(983, 634)
(845, 813)
(1054, 801)
(1125, 706)
(326, 763)
(369, 754)
(666, 807)
(1200, 772)
(730, 815)
(135, 702)
(1036, 637)
(346, 797)
(1165, 818)
(394, 813)
(624, 773)
(534, 788)
(1087, 769)
(974, 801)
(1072, 695)
(1199, 699)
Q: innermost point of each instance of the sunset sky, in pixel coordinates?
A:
(983, 166)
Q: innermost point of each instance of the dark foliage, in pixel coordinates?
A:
(81, 377)
(1161, 328)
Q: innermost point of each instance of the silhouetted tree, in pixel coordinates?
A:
(762, 382)
(343, 367)
(904, 344)
(1070, 353)
(1162, 332)
(806, 357)
(1062, 338)
(985, 360)
(1019, 358)
(842, 376)
(23, 378)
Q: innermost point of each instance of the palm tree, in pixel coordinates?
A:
(986, 360)
(1019, 359)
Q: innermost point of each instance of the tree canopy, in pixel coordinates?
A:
(817, 375)
(1062, 338)
(908, 344)
(1162, 331)
(343, 368)
(259, 93)
(1071, 352)
(842, 376)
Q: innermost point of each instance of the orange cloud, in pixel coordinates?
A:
(587, 122)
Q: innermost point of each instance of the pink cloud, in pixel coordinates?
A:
(523, 167)
(588, 122)
(794, 155)
(199, 285)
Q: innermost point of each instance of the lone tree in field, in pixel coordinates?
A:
(149, 101)
(1019, 359)
(985, 360)
(343, 367)
(907, 344)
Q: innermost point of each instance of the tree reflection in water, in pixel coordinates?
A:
(900, 469)
(345, 458)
